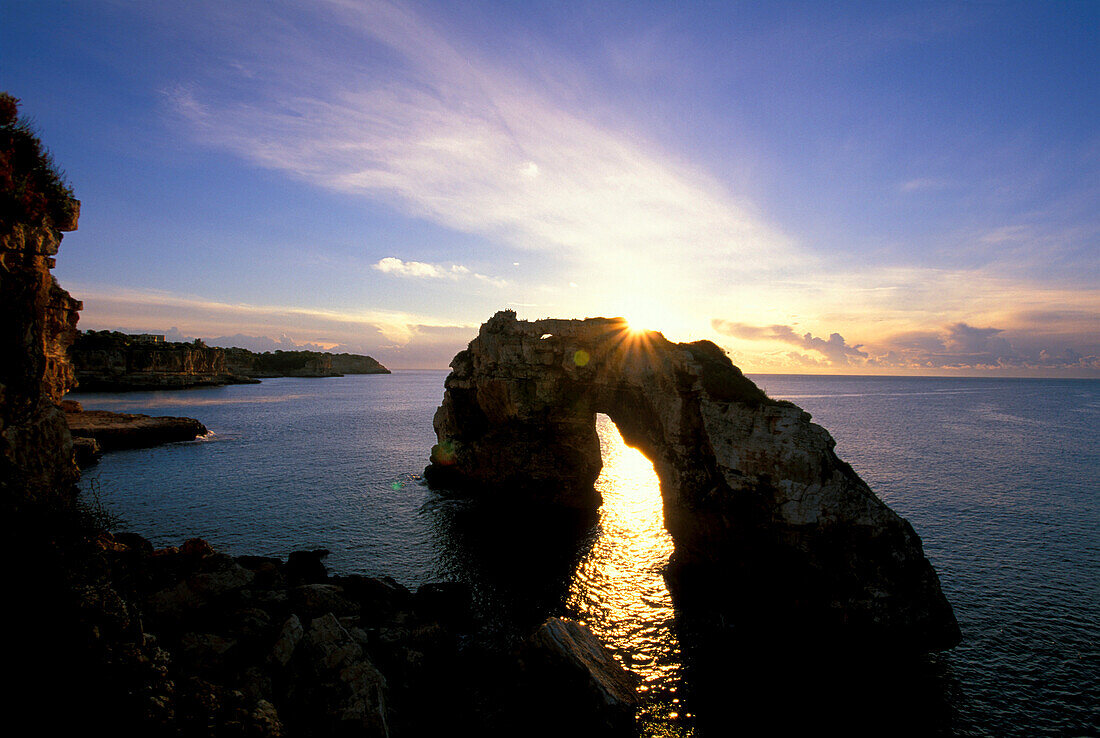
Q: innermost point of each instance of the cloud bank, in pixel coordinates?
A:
(957, 347)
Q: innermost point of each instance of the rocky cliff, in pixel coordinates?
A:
(38, 317)
(770, 526)
(107, 361)
(300, 364)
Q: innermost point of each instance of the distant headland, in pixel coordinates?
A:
(110, 361)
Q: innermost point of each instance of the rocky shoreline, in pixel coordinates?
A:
(197, 642)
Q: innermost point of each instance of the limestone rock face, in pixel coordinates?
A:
(38, 324)
(769, 525)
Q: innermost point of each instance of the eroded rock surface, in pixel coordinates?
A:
(770, 526)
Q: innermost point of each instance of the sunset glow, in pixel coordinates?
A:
(817, 190)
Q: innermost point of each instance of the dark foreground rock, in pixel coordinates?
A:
(771, 528)
(189, 641)
(114, 431)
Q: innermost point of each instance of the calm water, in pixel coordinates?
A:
(1001, 478)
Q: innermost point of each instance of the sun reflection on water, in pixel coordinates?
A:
(618, 589)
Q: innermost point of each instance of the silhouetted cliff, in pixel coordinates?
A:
(109, 361)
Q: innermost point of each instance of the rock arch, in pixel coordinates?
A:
(769, 525)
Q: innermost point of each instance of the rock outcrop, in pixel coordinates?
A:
(770, 527)
(584, 687)
(357, 364)
(114, 431)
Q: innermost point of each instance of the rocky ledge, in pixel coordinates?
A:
(771, 529)
(195, 642)
(114, 431)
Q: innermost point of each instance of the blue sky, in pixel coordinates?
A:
(852, 188)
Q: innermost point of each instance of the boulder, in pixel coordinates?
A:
(575, 683)
(380, 599)
(86, 451)
(305, 567)
(199, 590)
(450, 603)
(339, 691)
(289, 637)
(313, 600)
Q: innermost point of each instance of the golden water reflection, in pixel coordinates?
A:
(618, 590)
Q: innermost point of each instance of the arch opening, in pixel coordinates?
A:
(619, 586)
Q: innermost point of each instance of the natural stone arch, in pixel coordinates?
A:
(760, 508)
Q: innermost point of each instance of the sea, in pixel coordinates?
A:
(999, 477)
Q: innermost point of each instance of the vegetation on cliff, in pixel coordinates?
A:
(32, 188)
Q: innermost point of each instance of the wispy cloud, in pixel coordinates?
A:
(423, 270)
(450, 134)
(835, 350)
(377, 100)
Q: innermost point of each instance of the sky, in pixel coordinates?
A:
(843, 188)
